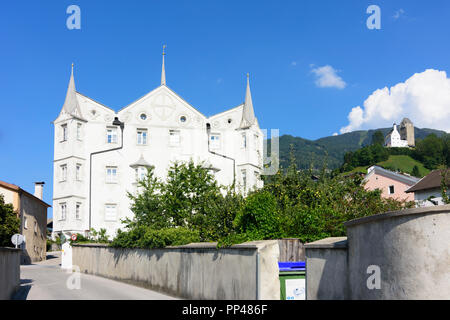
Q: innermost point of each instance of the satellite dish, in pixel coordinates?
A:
(17, 239)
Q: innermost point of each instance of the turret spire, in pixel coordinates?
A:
(71, 105)
(163, 72)
(248, 115)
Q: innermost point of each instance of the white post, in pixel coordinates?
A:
(66, 256)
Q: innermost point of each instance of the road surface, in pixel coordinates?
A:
(47, 281)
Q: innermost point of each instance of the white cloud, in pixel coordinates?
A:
(424, 98)
(398, 13)
(335, 134)
(326, 77)
(294, 63)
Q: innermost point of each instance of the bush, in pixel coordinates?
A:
(144, 237)
(9, 223)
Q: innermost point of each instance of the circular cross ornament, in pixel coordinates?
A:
(17, 239)
(74, 237)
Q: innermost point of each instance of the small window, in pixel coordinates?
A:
(111, 174)
(183, 119)
(215, 141)
(142, 136)
(35, 227)
(79, 131)
(78, 210)
(143, 116)
(111, 135)
(63, 208)
(244, 177)
(25, 223)
(78, 172)
(244, 140)
(64, 132)
(141, 173)
(174, 137)
(391, 190)
(230, 121)
(110, 212)
(63, 172)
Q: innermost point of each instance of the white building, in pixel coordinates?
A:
(159, 128)
(428, 190)
(394, 140)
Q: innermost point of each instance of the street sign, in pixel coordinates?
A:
(17, 239)
(74, 237)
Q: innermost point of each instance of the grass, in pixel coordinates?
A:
(403, 163)
(400, 163)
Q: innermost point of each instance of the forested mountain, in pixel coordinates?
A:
(333, 148)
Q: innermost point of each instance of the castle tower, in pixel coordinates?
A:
(407, 131)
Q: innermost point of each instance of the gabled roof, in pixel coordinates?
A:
(431, 181)
(409, 180)
(18, 189)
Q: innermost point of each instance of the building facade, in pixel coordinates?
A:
(392, 184)
(32, 211)
(90, 186)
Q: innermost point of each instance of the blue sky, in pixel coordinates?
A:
(211, 45)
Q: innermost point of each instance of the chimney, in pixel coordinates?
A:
(39, 189)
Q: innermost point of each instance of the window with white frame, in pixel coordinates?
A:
(78, 172)
(79, 131)
(111, 174)
(215, 141)
(244, 140)
(63, 169)
(78, 210)
(64, 132)
(111, 135)
(142, 136)
(110, 212)
(391, 190)
(141, 173)
(174, 137)
(244, 177)
(63, 211)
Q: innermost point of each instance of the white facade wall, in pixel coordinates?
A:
(421, 197)
(163, 109)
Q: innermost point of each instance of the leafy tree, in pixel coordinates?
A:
(9, 223)
(378, 138)
(415, 171)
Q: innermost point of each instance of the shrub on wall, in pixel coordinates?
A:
(9, 223)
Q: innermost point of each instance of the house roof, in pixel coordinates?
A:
(18, 189)
(409, 180)
(431, 181)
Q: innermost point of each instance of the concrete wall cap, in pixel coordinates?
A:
(198, 245)
(328, 243)
(400, 213)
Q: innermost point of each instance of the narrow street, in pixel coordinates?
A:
(47, 281)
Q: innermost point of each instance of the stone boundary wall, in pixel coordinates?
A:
(408, 251)
(9, 272)
(196, 271)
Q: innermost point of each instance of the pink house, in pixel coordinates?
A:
(392, 184)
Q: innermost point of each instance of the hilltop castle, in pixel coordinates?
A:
(404, 138)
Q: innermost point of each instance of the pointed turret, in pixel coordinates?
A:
(71, 105)
(248, 115)
(163, 72)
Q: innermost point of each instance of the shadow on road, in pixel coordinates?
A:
(22, 292)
